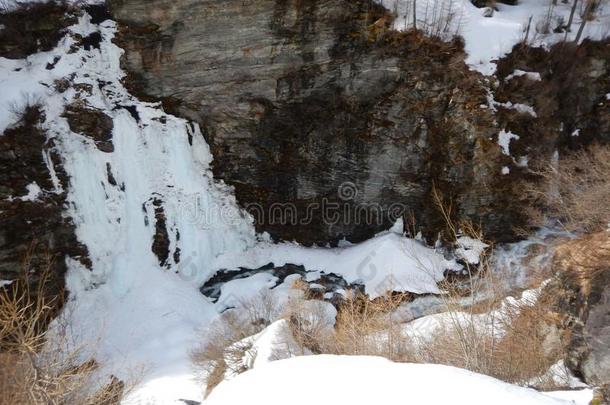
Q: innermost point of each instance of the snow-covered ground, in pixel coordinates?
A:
(372, 380)
(489, 38)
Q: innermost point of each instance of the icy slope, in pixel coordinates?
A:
(138, 319)
(367, 380)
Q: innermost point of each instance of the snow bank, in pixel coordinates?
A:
(492, 323)
(368, 380)
(470, 249)
(389, 261)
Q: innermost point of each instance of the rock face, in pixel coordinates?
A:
(34, 234)
(91, 123)
(569, 99)
(327, 124)
(584, 266)
(32, 28)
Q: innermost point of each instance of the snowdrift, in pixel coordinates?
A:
(368, 380)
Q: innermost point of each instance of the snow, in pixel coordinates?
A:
(470, 249)
(534, 76)
(4, 283)
(489, 38)
(560, 375)
(577, 397)
(490, 323)
(236, 292)
(274, 343)
(33, 190)
(505, 170)
(367, 380)
(522, 108)
(388, 261)
(504, 138)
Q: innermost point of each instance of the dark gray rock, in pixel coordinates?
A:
(35, 236)
(299, 98)
(327, 123)
(91, 123)
(596, 367)
(33, 28)
(584, 269)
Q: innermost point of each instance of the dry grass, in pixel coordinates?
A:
(227, 340)
(584, 259)
(512, 340)
(365, 327)
(224, 351)
(575, 190)
(34, 370)
(516, 344)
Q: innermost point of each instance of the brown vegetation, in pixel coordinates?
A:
(227, 343)
(33, 369)
(575, 190)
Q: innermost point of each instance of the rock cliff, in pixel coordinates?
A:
(327, 123)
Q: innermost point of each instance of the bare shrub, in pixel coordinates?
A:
(310, 324)
(441, 19)
(575, 190)
(34, 370)
(227, 343)
(225, 349)
(478, 330)
(28, 111)
(512, 345)
(362, 327)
